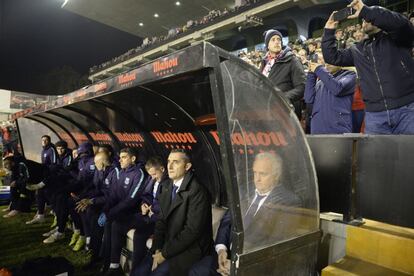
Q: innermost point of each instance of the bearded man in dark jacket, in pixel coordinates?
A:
(284, 69)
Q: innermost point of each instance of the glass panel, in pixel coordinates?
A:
(275, 173)
(31, 133)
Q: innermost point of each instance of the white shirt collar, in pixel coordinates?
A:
(178, 183)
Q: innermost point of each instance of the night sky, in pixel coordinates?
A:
(37, 36)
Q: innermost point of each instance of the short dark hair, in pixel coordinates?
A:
(46, 136)
(62, 144)
(154, 162)
(130, 151)
(314, 43)
(184, 152)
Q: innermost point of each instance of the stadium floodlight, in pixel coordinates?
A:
(141, 24)
(64, 3)
(156, 15)
(177, 3)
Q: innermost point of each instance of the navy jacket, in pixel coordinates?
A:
(148, 197)
(331, 97)
(102, 182)
(383, 61)
(65, 161)
(86, 168)
(224, 231)
(125, 195)
(49, 155)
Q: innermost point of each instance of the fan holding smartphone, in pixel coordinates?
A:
(384, 63)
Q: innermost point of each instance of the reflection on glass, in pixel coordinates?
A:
(265, 219)
(275, 173)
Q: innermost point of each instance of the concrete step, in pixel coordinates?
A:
(348, 266)
(382, 244)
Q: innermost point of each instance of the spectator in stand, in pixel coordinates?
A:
(312, 46)
(359, 36)
(303, 59)
(384, 64)
(284, 69)
(339, 35)
(358, 109)
(331, 97)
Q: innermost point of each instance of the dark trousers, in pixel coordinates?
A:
(144, 268)
(105, 251)
(61, 207)
(119, 231)
(357, 120)
(207, 266)
(41, 200)
(20, 200)
(93, 230)
(141, 236)
(76, 218)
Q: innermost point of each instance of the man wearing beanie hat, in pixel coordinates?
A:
(284, 69)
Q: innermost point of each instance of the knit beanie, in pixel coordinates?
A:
(269, 34)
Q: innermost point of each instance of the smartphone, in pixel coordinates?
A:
(343, 14)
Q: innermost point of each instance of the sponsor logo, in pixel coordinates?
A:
(92, 167)
(127, 78)
(100, 87)
(273, 138)
(127, 181)
(174, 137)
(165, 66)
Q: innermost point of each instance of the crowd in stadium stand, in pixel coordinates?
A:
(311, 50)
(213, 15)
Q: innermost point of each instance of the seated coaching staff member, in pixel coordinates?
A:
(183, 233)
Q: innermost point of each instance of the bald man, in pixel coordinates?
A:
(92, 202)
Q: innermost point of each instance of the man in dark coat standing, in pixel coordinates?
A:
(384, 64)
(284, 69)
(183, 232)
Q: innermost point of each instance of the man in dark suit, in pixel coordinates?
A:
(269, 218)
(183, 232)
(270, 215)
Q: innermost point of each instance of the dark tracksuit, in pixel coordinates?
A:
(122, 210)
(102, 181)
(86, 168)
(19, 195)
(64, 162)
(49, 158)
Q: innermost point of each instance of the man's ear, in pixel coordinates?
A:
(188, 166)
(133, 158)
(162, 169)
